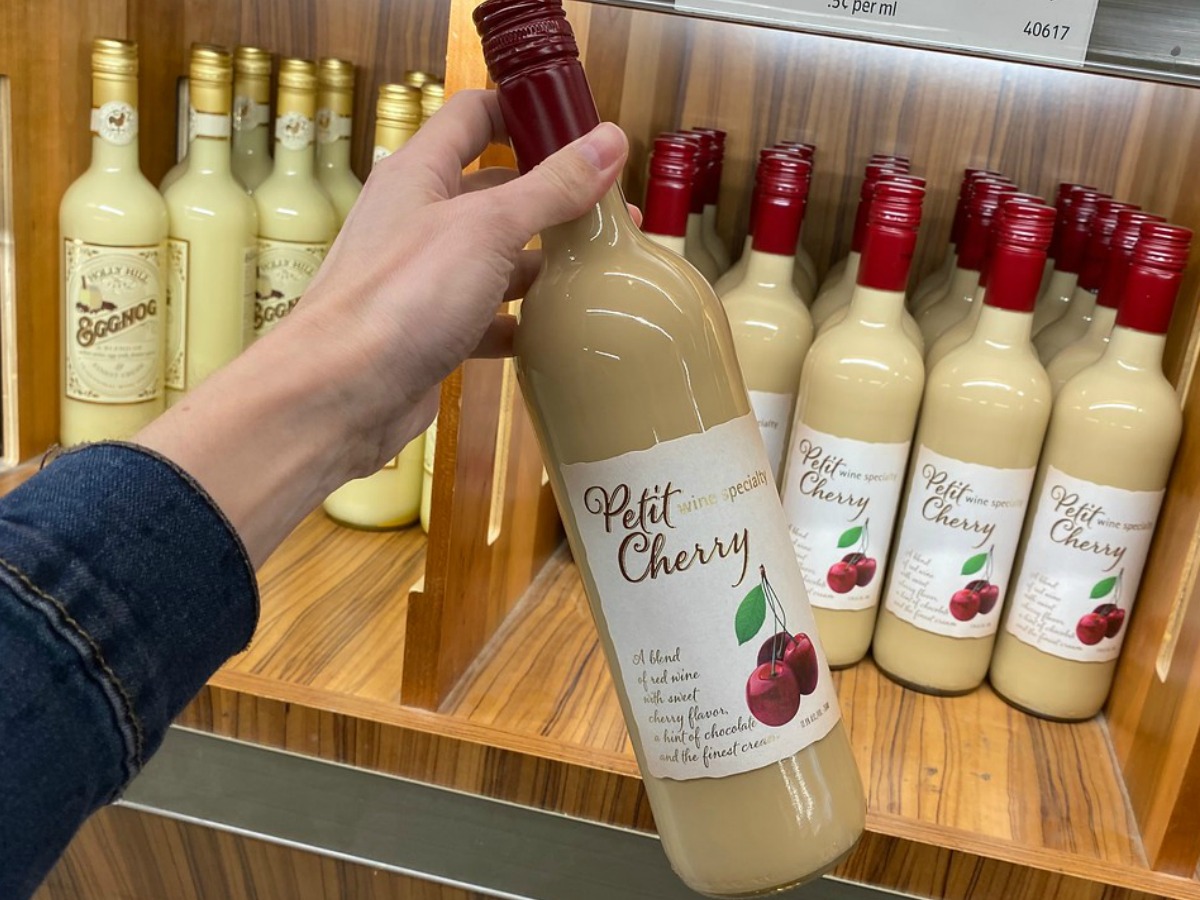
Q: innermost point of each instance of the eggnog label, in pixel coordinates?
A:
(113, 297)
(248, 114)
(294, 131)
(774, 412)
(379, 154)
(208, 125)
(284, 270)
(332, 127)
(840, 497)
(175, 372)
(960, 530)
(1077, 582)
(116, 123)
(701, 595)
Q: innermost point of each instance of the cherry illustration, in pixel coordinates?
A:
(842, 577)
(989, 594)
(864, 567)
(964, 605)
(801, 658)
(1091, 628)
(774, 647)
(1114, 618)
(772, 694)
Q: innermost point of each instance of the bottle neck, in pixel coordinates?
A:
(963, 285)
(114, 124)
(252, 141)
(334, 156)
(1103, 319)
(1083, 304)
(769, 270)
(209, 155)
(294, 162)
(1135, 350)
(295, 132)
(390, 137)
(251, 115)
(606, 224)
(1002, 329)
(872, 306)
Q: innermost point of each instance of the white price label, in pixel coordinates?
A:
(1054, 30)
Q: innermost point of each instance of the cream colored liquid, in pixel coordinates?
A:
(1054, 299)
(1084, 351)
(935, 285)
(427, 476)
(958, 333)
(336, 177)
(908, 326)
(174, 173)
(954, 305)
(1118, 424)
(670, 242)
(839, 292)
(389, 498)
(667, 376)
(252, 131)
(712, 241)
(112, 204)
(863, 381)
(1067, 329)
(696, 250)
(802, 284)
(804, 277)
(216, 220)
(987, 402)
(835, 273)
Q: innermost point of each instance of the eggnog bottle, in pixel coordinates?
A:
(630, 374)
(1070, 244)
(772, 330)
(433, 98)
(176, 171)
(114, 229)
(296, 221)
(958, 333)
(672, 178)
(335, 127)
(710, 185)
(212, 245)
(1088, 348)
(855, 415)
(983, 418)
(395, 496)
(1073, 324)
(251, 116)
(1100, 484)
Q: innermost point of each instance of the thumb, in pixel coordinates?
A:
(566, 184)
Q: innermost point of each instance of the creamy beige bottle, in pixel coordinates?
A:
(114, 229)
(710, 182)
(251, 116)
(669, 185)
(936, 283)
(895, 163)
(1052, 301)
(212, 247)
(695, 250)
(1100, 485)
(804, 276)
(1088, 348)
(335, 128)
(176, 171)
(1074, 323)
(1070, 244)
(855, 415)
(396, 495)
(630, 373)
(982, 421)
(772, 329)
(296, 221)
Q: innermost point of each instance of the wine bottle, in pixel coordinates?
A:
(212, 247)
(335, 128)
(1073, 324)
(114, 230)
(176, 171)
(1088, 348)
(855, 416)
(1047, 310)
(669, 187)
(1101, 479)
(772, 329)
(251, 116)
(1070, 243)
(982, 421)
(629, 371)
(710, 185)
(936, 283)
(296, 221)
(402, 491)
(695, 250)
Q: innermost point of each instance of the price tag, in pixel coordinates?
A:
(1050, 30)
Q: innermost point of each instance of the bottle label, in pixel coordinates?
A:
(959, 535)
(209, 125)
(249, 293)
(248, 113)
(714, 640)
(114, 345)
(294, 131)
(1086, 550)
(175, 371)
(332, 127)
(379, 154)
(840, 497)
(774, 412)
(116, 122)
(284, 270)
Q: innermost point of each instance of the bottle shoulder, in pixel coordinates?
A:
(295, 209)
(976, 371)
(108, 206)
(210, 199)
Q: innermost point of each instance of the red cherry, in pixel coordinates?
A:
(772, 694)
(1115, 620)
(866, 571)
(988, 595)
(773, 647)
(964, 605)
(1091, 628)
(801, 658)
(842, 577)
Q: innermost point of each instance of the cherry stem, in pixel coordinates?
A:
(866, 538)
(987, 571)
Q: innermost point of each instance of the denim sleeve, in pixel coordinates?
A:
(122, 589)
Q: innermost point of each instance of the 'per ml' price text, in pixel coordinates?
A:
(874, 8)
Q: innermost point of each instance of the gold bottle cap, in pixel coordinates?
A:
(252, 61)
(210, 63)
(113, 57)
(416, 79)
(297, 74)
(399, 103)
(336, 74)
(433, 97)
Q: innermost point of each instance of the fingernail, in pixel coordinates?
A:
(602, 146)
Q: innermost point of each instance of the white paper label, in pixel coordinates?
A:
(699, 588)
(284, 270)
(840, 497)
(774, 414)
(332, 127)
(958, 538)
(379, 154)
(248, 114)
(114, 346)
(116, 123)
(1080, 575)
(210, 125)
(294, 131)
(175, 372)
(1056, 30)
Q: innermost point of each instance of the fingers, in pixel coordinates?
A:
(527, 265)
(635, 214)
(455, 136)
(497, 341)
(488, 178)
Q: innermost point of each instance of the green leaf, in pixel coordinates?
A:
(974, 564)
(849, 537)
(1104, 588)
(751, 614)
